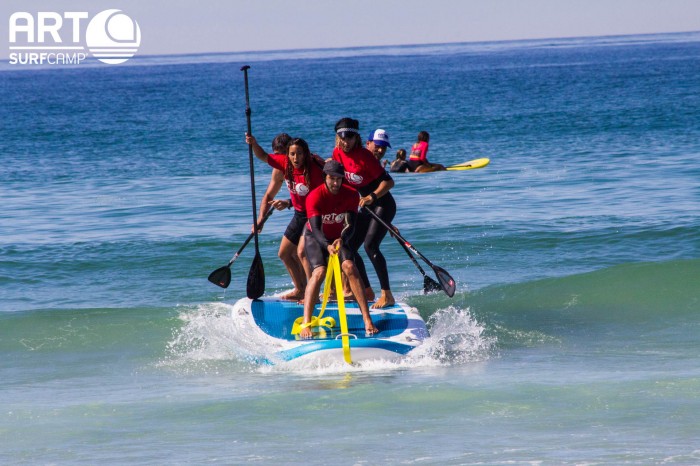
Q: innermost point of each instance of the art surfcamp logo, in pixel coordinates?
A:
(52, 38)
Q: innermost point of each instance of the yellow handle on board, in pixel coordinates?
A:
(320, 321)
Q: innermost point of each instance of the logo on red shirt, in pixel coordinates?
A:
(353, 178)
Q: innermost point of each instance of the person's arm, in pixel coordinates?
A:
(257, 149)
(349, 228)
(316, 224)
(276, 181)
(382, 188)
(346, 234)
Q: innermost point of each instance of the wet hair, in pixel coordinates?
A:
(424, 136)
(306, 164)
(280, 143)
(401, 154)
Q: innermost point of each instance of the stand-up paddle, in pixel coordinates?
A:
(255, 287)
(446, 281)
(222, 276)
(428, 283)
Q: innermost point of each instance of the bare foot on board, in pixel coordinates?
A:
(370, 329)
(386, 299)
(294, 295)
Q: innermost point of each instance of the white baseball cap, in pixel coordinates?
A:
(379, 137)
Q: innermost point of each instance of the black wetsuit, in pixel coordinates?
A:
(370, 232)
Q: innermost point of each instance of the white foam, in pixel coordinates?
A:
(210, 334)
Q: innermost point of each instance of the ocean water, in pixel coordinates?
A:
(573, 336)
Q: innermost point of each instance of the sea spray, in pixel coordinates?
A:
(455, 338)
(210, 336)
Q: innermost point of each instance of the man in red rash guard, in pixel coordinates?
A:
(332, 211)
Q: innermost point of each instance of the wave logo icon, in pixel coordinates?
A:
(113, 37)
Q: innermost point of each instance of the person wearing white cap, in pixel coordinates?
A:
(377, 143)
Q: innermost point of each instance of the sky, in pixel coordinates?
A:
(200, 26)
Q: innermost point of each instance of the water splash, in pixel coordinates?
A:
(455, 338)
(209, 337)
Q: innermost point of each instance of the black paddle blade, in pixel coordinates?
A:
(446, 281)
(221, 277)
(430, 285)
(256, 279)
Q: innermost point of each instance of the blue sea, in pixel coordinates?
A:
(573, 337)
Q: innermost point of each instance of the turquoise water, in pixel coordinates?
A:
(572, 338)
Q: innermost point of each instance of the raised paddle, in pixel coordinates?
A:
(446, 281)
(255, 287)
(222, 276)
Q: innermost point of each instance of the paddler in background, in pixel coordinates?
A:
(400, 165)
(377, 142)
(364, 173)
(302, 173)
(418, 161)
(332, 212)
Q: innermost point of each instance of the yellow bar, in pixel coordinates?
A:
(334, 263)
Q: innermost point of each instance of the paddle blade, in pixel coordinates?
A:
(221, 277)
(446, 281)
(256, 278)
(430, 285)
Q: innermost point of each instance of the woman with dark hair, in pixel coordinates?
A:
(302, 173)
(365, 173)
(418, 161)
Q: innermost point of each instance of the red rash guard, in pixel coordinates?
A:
(331, 208)
(297, 187)
(419, 152)
(361, 167)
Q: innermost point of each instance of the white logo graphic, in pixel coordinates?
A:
(297, 188)
(333, 218)
(112, 37)
(302, 189)
(353, 178)
(52, 38)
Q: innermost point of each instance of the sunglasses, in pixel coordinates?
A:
(346, 135)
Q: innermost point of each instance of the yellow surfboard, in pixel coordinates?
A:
(470, 165)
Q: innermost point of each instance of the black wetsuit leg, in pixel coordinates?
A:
(385, 208)
(361, 226)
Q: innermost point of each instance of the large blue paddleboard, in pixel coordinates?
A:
(401, 329)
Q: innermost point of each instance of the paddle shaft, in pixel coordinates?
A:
(408, 251)
(250, 157)
(398, 237)
(250, 237)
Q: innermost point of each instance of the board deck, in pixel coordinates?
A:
(276, 318)
(401, 329)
